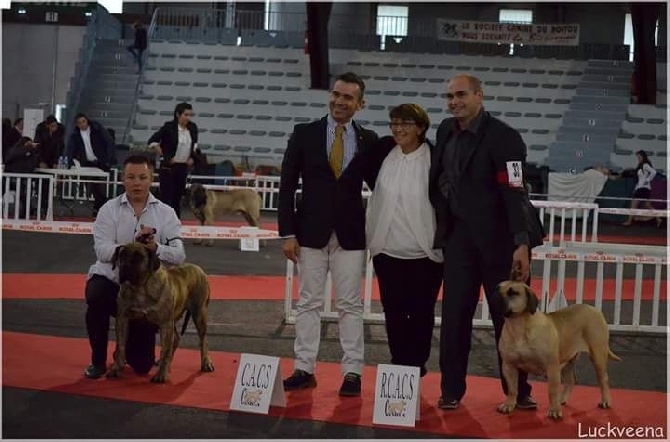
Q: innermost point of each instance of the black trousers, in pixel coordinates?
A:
(466, 269)
(408, 289)
(172, 179)
(101, 294)
(98, 190)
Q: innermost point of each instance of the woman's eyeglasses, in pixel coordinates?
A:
(403, 125)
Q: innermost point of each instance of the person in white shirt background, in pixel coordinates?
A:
(91, 145)
(176, 143)
(120, 221)
(642, 192)
(400, 228)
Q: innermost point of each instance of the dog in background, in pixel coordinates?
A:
(150, 291)
(549, 344)
(206, 204)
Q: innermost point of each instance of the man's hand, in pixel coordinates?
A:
(291, 249)
(520, 263)
(146, 236)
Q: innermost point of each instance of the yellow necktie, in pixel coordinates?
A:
(337, 152)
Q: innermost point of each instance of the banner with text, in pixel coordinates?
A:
(508, 33)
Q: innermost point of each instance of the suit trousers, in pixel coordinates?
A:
(466, 269)
(346, 267)
(408, 289)
(172, 180)
(101, 294)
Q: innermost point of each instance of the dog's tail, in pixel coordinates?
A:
(612, 356)
(187, 316)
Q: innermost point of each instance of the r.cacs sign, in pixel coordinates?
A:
(258, 384)
(397, 395)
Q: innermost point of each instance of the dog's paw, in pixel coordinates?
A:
(506, 407)
(604, 405)
(555, 414)
(160, 378)
(207, 367)
(114, 372)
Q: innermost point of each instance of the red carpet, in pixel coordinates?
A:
(189, 388)
(239, 287)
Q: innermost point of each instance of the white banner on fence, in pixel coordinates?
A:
(492, 32)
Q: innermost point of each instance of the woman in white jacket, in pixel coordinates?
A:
(642, 192)
(400, 228)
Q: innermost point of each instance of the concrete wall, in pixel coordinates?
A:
(30, 56)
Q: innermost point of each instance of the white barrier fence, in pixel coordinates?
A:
(27, 194)
(623, 317)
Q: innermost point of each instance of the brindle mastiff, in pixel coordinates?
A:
(161, 295)
(206, 204)
(548, 344)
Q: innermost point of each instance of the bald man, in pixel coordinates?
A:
(477, 189)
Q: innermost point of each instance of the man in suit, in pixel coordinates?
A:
(50, 134)
(91, 145)
(325, 231)
(476, 183)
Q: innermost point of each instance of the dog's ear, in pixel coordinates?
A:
(115, 256)
(154, 261)
(531, 300)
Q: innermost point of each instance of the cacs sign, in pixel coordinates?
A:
(397, 395)
(258, 384)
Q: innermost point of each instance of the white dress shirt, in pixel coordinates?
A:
(644, 176)
(88, 147)
(183, 145)
(400, 219)
(116, 225)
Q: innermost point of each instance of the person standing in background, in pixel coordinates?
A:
(140, 44)
(176, 142)
(400, 229)
(642, 192)
(50, 135)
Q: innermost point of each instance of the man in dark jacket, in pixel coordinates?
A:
(25, 157)
(477, 190)
(139, 45)
(326, 231)
(91, 145)
(50, 135)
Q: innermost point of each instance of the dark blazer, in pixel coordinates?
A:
(101, 141)
(326, 203)
(168, 137)
(493, 210)
(51, 144)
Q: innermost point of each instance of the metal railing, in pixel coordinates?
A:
(638, 310)
(26, 194)
(101, 25)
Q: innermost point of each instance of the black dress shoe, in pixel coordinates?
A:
(95, 371)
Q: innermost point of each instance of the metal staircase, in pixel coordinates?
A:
(109, 91)
(587, 136)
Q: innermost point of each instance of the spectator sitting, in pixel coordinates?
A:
(50, 135)
(24, 157)
(14, 135)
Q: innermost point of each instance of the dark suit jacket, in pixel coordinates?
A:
(51, 144)
(168, 137)
(493, 210)
(101, 141)
(326, 203)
